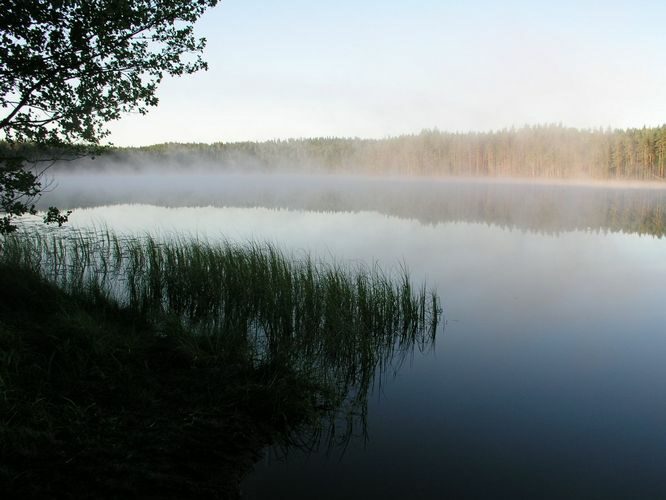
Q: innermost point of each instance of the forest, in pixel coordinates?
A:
(541, 151)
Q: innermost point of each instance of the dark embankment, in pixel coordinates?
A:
(146, 380)
(97, 403)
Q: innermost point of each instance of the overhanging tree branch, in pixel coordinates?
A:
(78, 65)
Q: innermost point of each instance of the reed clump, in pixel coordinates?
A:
(119, 353)
(274, 308)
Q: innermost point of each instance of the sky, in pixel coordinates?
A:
(362, 68)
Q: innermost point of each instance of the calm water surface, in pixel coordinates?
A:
(548, 380)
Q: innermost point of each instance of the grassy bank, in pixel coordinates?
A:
(133, 366)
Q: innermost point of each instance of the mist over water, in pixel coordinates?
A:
(528, 205)
(547, 381)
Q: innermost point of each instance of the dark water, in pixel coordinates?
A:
(548, 381)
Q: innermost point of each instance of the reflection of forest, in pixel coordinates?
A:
(534, 207)
(540, 208)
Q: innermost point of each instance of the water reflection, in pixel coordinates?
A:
(534, 207)
(548, 382)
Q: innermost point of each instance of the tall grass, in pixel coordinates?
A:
(337, 322)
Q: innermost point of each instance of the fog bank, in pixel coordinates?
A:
(535, 206)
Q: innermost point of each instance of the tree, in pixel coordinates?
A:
(68, 67)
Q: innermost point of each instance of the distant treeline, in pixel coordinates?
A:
(551, 151)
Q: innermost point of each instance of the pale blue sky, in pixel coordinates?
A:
(299, 68)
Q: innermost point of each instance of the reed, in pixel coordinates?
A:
(113, 347)
(343, 322)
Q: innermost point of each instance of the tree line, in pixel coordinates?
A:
(550, 151)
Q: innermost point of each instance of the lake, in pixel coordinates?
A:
(548, 378)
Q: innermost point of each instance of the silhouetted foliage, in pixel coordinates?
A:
(67, 68)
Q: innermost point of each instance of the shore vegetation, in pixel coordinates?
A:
(135, 366)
